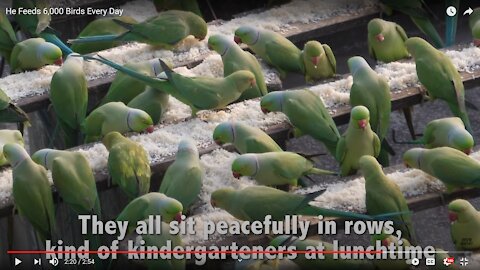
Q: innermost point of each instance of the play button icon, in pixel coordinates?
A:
(17, 261)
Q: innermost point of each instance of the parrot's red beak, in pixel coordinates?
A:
(58, 62)
(362, 123)
(149, 129)
(468, 151)
(236, 175)
(178, 217)
(237, 39)
(264, 110)
(385, 243)
(218, 142)
(476, 42)
(253, 82)
(452, 216)
(315, 60)
(406, 164)
(213, 204)
(380, 37)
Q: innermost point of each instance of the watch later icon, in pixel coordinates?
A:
(451, 11)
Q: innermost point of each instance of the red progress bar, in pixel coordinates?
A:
(190, 252)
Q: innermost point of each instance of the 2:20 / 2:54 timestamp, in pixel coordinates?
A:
(74, 261)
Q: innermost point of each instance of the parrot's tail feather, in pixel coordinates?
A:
(383, 158)
(426, 26)
(93, 39)
(309, 197)
(332, 147)
(387, 147)
(320, 171)
(316, 211)
(168, 71)
(123, 24)
(460, 112)
(451, 24)
(55, 40)
(391, 215)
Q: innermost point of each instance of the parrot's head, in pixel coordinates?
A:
(14, 153)
(460, 210)
(243, 79)
(245, 165)
(369, 165)
(41, 157)
(224, 133)
(221, 197)
(360, 117)
(138, 120)
(219, 43)
(461, 139)
(198, 27)
(110, 139)
(50, 53)
(246, 34)
(313, 51)
(169, 208)
(375, 29)
(416, 46)
(272, 102)
(356, 63)
(411, 158)
(187, 146)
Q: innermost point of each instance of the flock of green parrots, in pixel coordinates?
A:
(138, 98)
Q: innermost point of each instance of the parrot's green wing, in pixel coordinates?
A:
(178, 190)
(401, 32)
(341, 150)
(330, 57)
(172, 28)
(282, 55)
(376, 145)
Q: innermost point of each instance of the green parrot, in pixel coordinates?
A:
(161, 240)
(391, 264)
(255, 202)
(272, 47)
(441, 255)
(439, 76)
(274, 168)
(384, 196)
(34, 53)
(199, 93)
(124, 87)
(319, 61)
(464, 224)
(417, 11)
(8, 39)
(11, 113)
(245, 138)
(449, 132)
(128, 164)
(372, 91)
(153, 102)
(115, 116)
(306, 112)
(311, 261)
(185, 171)
(164, 30)
(386, 41)
(187, 5)
(73, 179)
(69, 97)
(451, 166)
(101, 26)
(234, 59)
(9, 136)
(31, 191)
(474, 23)
(357, 141)
(151, 204)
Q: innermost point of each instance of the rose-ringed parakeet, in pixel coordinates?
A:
(34, 53)
(101, 26)
(465, 221)
(8, 39)
(69, 97)
(449, 132)
(245, 138)
(31, 191)
(115, 116)
(384, 196)
(255, 202)
(274, 168)
(474, 23)
(417, 11)
(386, 41)
(234, 59)
(439, 76)
(319, 61)
(391, 241)
(9, 136)
(73, 179)
(372, 91)
(312, 261)
(306, 112)
(451, 166)
(153, 102)
(164, 30)
(11, 113)
(199, 93)
(183, 179)
(151, 204)
(357, 141)
(272, 47)
(128, 164)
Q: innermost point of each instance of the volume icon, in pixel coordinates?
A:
(53, 261)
